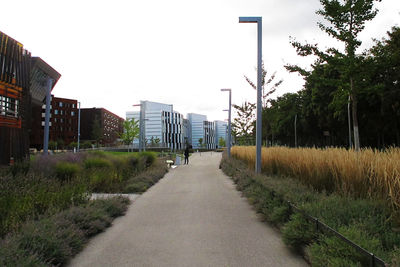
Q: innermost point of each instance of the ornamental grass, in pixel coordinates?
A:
(367, 174)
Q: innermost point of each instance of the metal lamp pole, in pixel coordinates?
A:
(257, 20)
(79, 123)
(229, 121)
(47, 118)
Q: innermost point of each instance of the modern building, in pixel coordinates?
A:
(100, 125)
(22, 86)
(221, 131)
(160, 125)
(201, 129)
(63, 127)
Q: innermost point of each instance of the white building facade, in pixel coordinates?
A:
(162, 127)
(165, 128)
(221, 131)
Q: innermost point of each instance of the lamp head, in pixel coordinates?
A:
(250, 19)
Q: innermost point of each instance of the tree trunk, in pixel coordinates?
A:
(355, 120)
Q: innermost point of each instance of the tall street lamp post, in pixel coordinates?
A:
(47, 117)
(257, 20)
(229, 121)
(79, 124)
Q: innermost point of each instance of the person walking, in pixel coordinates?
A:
(186, 153)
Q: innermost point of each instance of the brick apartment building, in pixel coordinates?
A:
(63, 122)
(109, 126)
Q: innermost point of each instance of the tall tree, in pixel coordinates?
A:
(346, 19)
(243, 124)
(269, 86)
(131, 131)
(96, 130)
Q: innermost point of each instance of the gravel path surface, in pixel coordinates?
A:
(191, 217)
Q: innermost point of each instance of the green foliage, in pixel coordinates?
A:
(52, 241)
(332, 251)
(96, 162)
(148, 157)
(96, 133)
(369, 223)
(221, 142)
(66, 171)
(244, 122)
(86, 145)
(52, 145)
(298, 232)
(131, 131)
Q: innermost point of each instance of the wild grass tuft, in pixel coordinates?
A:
(368, 173)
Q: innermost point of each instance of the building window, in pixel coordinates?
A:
(60, 104)
(9, 106)
(72, 113)
(56, 112)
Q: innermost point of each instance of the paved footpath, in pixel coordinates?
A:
(192, 217)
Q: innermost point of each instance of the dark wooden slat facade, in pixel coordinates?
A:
(15, 64)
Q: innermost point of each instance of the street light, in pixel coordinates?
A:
(47, 117)
(79, 124)
(257, 20)
(229, 120)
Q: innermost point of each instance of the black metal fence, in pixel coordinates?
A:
(321, 227)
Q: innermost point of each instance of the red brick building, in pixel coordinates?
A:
(99, 124)
(63, 122)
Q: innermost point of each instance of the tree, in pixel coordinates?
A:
(221, 142)
(243, 124)
(201, 142)
(131, 131)
(267, 88)
(346, 20)
(96, 130)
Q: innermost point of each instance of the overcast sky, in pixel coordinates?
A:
(113, 54)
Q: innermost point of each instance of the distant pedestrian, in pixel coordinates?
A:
(186, 153)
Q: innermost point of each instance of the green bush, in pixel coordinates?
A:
(331, 250)
(371, 224)
(113, 207)
(90, 220)
(298, 232)
(49, 241)
(148, 158)
(52, 241)
(12, 255)
(66, 171)
(97, 163)
(138, 187)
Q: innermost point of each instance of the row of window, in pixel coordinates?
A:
(61, 112)
(9, 106)
(67, 105)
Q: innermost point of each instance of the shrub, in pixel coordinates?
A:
(97, 163)
(90, 220)
(52, 241)
(332, 251)
(138, 187)
(66, 171)
(113, 207)
(298, 232)
(48, 240)
(12, 255)
(148, 158)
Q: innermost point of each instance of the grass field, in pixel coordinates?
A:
(368, 173)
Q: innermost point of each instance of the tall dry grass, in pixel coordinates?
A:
(368, 173)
